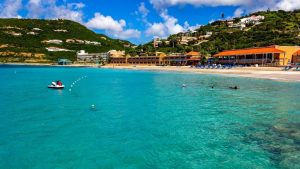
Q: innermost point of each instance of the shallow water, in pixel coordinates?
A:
(145, 120)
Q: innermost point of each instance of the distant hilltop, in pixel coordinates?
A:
(35, 40)
(258, 29)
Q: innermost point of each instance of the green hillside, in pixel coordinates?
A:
(278, 27)
(21, 40)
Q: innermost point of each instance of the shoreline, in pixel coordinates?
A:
(48, 64)
(268, 73)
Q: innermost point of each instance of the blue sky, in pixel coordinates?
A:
(139, 20)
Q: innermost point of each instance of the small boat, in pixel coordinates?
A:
(56, 85)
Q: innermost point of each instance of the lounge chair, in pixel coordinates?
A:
(229, 67)
(287, 68)
(297, 68)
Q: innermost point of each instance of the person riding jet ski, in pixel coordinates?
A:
(56, 85)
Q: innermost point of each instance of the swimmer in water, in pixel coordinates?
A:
(93, 107)
(183, 85)
(235, 87)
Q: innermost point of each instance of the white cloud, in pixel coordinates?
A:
(79, 5)
(211, 21)
(50, 10)
(142, 13)
(238, 13)
(105, 23)
(193, 27)
(143, 10)
(288, 5)
(65, 13)
(156, 29)
(35, 8)
(10, 8)
(128, 33)
(171, 23)
(169, 26)
(112, 26)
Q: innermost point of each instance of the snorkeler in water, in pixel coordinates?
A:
(235, 87)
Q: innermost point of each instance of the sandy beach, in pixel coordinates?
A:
(271, 73)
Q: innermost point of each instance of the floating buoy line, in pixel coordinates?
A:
(76, 81)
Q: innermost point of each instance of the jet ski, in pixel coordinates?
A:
(56, 85)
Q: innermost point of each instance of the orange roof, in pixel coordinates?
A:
(249, 51)
(192, 53)
(297, 53)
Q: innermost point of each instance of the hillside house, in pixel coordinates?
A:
(252, 19)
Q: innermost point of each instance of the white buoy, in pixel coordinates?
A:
(93, 106)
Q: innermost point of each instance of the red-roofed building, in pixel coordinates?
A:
(269, 56)
(193, 53)
(193, 58)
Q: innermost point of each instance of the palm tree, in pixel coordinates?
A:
(173, 40)
(222, 16)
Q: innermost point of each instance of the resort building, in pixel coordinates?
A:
(184, 40)
(56, 49)
(240, 26)
(267, 56)
(53, 41)
(116, 53)
(150, 60)
(194, 58)
(252, 19)
(83, 56)
(174, 59)
(118, 60)
(156, 42)
(206, 36)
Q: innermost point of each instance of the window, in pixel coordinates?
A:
(249, 56)
(269, 56)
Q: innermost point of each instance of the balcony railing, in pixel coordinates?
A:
(247, 61)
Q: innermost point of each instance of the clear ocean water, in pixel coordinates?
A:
(145, 119)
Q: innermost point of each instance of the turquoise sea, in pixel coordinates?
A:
(145, 119)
